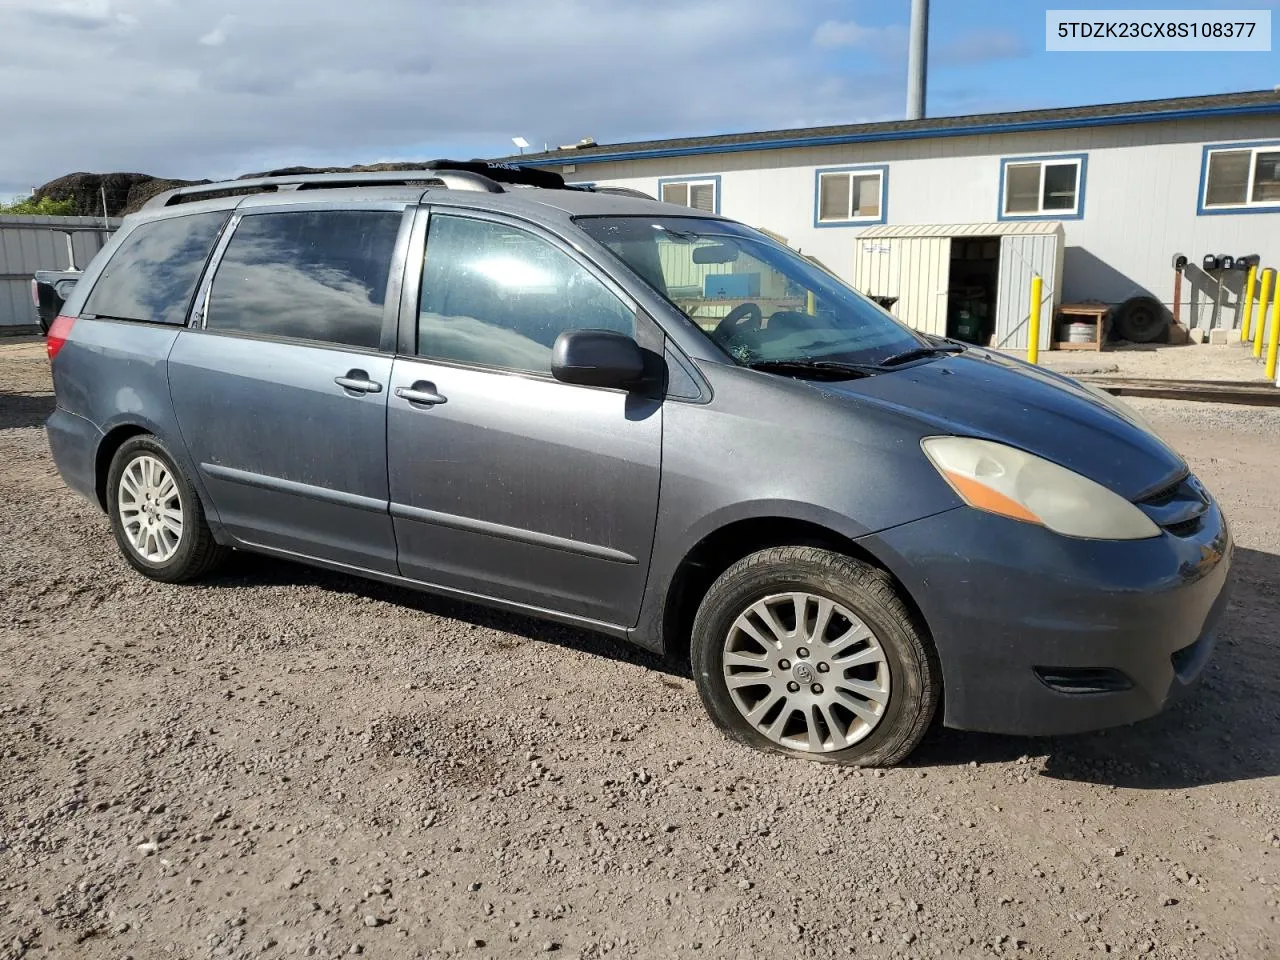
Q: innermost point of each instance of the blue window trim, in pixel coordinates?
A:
(1003, 217)
(881, 168)
(694, 178)
(1203, 211)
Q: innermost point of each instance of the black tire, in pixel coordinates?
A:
(1142, 320)
(868, 593)
(197, 552)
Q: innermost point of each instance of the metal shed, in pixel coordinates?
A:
(914, 264)
(28, 244)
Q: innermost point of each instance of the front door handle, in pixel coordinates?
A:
(358, 381)
(423, 392)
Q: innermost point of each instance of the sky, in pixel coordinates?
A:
(216, 88)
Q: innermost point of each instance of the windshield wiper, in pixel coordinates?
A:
(908, 355)
(832, 369)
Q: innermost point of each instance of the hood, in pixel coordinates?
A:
(988, 395)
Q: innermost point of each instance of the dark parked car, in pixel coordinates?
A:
(649, 422)
(49, 290)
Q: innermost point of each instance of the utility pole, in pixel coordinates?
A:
(917, 59)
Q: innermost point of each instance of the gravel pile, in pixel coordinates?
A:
(286, 762)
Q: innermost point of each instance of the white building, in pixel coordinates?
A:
(1132, 184)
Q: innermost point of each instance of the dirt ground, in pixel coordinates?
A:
(1232, 362)
(286, 762)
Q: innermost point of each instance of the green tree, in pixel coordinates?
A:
(44, 207)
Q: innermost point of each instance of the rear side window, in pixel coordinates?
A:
(154, 273)
(318, 275)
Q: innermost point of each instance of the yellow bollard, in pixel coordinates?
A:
(1273, 339)
(1033, 332)
(1250, 286)
(1264, 300)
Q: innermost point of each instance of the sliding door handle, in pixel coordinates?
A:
(422, 393)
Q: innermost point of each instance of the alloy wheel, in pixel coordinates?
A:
(806, 672)
(150, 509)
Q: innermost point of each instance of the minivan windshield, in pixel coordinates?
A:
(759, 301)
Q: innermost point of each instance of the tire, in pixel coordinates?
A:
(906, 674)
(1142, 320)
(166, 556)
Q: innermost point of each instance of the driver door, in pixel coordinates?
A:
(506, 483)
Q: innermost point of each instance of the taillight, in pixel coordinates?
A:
(59, 330)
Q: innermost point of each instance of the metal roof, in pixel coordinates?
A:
(1001, 229)
(1260, 102)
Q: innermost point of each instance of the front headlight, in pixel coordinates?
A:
(1013, 483)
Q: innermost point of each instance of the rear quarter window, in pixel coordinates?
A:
(153, 275)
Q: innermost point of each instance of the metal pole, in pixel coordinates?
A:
(1177, 296)
(1250, 286)
(917, 59)
(106, 221)
(1273, 338)
(1033, 331)
(1264, 301)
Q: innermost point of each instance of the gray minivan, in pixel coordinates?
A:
(644, 420)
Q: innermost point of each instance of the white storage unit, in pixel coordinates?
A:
(913, 263)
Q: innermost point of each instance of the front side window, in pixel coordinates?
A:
(498, 296)
(1246, 177)
(700, 194)
(851, 195)
(1043, 187)
(317, 275)
(757, 300)
(154, 273)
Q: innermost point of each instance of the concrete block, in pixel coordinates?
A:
(1221, 336)
(1196, 335)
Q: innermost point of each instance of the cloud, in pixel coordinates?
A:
(218, 35)
(838, 34)
(309, 82)
(981, 46)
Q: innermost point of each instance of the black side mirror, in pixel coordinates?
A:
(597, 358)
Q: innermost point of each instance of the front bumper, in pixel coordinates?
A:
(1042, 634)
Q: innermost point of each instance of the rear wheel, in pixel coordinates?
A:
(156, 516)
(811, 653)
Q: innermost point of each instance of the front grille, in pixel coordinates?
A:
(1177, 508)
(1083, 679)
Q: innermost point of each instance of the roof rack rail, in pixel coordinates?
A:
(624, 192)
(480, 175)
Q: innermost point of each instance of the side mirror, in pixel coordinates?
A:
(597, 358)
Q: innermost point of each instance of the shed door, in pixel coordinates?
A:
(1022, 256)
(923, 268)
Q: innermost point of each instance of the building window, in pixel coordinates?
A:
(1240, 178)
(850, 196)
(1046, 188)
(700, 193)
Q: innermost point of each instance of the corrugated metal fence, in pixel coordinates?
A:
(28, 244)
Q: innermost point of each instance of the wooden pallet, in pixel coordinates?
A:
(1251, 392)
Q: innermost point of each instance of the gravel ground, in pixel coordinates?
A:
(285, 762)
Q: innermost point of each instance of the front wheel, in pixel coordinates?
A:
(811, 653)
(156, 516)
